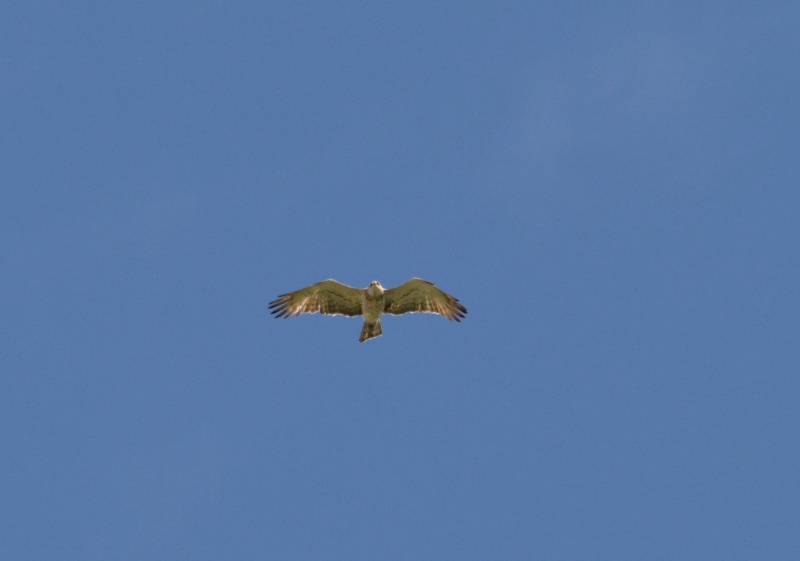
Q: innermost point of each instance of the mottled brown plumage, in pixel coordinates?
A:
(327, 297)
(419, 295)
(334, 298)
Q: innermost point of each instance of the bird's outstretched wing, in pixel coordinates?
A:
(419, 295)
(327, 297)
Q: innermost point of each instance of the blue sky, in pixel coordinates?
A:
(612, 191)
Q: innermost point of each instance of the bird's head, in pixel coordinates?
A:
(375, 286)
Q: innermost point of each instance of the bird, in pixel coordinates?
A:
(331, 297)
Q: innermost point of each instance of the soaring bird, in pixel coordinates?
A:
(332, 297)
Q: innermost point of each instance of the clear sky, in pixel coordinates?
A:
(612, 189)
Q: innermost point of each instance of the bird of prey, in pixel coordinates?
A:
(332, 297)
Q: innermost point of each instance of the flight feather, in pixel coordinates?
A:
(419, 295)
(327, 297)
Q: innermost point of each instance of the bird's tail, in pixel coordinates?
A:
(371, 329)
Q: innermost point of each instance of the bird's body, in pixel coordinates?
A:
(332, 297)
(372, 309)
